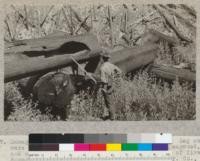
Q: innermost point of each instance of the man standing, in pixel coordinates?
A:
(108, 73)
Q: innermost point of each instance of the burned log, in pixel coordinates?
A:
(51, 42)
(47, 54)
(171, 73)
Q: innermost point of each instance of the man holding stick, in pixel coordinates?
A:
(108, 73)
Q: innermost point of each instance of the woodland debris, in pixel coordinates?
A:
(184, 20)
(189, 10)
(84, 25)
(171, 24)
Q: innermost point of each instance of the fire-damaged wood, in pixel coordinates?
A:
(57, 90)
(51, 42)
(43, 55)
(19, 66)
(172, 73)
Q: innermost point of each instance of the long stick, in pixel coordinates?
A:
(81, 24)
(42, 23)
(111, 25)
(67, 21)
(190, 10)
(83, 70)
(85, 26)
(9, 30)
(21, 16)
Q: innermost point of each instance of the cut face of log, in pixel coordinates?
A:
(54, 89)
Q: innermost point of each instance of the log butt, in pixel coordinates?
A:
(56, 90)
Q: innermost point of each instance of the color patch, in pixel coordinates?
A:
(81, 147)
(66, 147)
(129, 147)
(144, 147)
(97, 147)
(163, 138)
(160, 147)
(113, 147)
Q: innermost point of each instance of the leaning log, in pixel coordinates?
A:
(172, 73)
(128, 59)
(156, 36)
(131, 59)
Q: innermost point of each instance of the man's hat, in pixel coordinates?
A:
(105, 53)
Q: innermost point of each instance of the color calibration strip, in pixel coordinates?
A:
(101, 138)
(98, 147)
(99, 142)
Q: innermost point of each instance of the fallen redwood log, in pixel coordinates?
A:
(131, 59)
(171, 73)
(52, 42)
(128, 59)
(36, 57)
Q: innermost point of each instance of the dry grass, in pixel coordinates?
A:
(139, 99)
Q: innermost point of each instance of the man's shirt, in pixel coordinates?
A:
(107, 72)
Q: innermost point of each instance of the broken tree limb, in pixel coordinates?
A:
(67, 21)
(111, 26)
(161, 36)
(22, 17)
(185, 21)
(171, 73)
(9, 30)
(43, 21)
(189, 10)
(81, 24)
(170, 23)
(85, 26)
